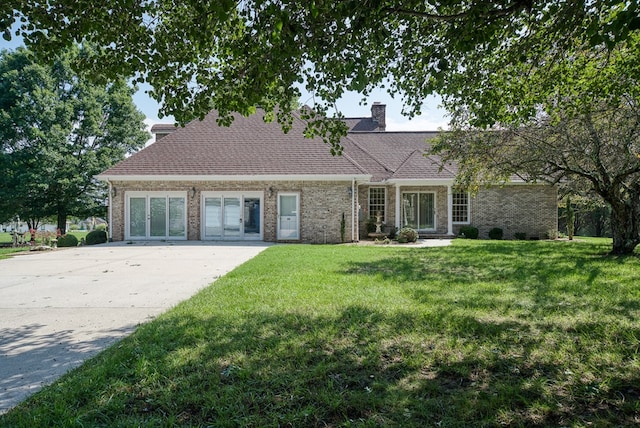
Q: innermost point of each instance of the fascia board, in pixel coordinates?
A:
(310, 177)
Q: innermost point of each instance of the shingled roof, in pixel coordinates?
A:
(397, 155)
(251, 148)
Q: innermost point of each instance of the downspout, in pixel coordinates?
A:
(398, 207)
(110, 214)
(354, 197)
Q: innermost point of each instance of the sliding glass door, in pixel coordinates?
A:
(231, 216)
(156, 215)
(419, 210)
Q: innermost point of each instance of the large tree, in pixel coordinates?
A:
(584, 137)
(494, 62)
(57, 131)
(234, 55)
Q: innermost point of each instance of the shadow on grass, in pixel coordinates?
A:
(536, 276)
(32, 356)
(493, 335)
(361, 367)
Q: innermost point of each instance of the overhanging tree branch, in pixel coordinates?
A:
(493, 13)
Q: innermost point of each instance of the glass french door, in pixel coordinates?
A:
(156, 215)
(231, 216)
(419, 210)
(288, 216)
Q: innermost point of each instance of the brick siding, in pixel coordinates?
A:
(531, 209)
(321, 205)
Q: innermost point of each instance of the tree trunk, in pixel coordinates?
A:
(625, 226)
(62, 223)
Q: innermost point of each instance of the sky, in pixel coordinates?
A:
(432, 115)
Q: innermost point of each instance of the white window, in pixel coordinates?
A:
(377, 198)
(460, 208)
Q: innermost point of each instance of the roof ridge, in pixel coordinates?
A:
(356, 164)
(296, 114)
(375, 159)
(440, 164)
(406, 159)
(395, 132)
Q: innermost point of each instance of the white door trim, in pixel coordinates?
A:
(147, 196)
(435, 208)
(289, 234)
(233, 194)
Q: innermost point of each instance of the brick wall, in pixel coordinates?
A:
(440, 200)
(321, 205)
(531, 209)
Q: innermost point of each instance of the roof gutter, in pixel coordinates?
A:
(301, 177)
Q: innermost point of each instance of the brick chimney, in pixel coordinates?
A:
(378, 114)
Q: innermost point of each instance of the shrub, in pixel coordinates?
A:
(469, 232)
(407, 234)
(521, 236)
(392, 232)
(96, 237)
(370, 225)
(495, 233)
(67, 241)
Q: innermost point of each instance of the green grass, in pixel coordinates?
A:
(483, 333)
(6, 252)
(6, 236)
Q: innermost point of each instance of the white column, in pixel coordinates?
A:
(354, 209)
(398, 208)
(449, 210)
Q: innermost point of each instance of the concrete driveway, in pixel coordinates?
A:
(59, 308)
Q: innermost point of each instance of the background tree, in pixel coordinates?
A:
(586, 136)
(233, 55)
(498, 62)
(571, 219)
(57, 131)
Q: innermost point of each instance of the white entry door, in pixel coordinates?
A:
(288, 216)
(156, 215)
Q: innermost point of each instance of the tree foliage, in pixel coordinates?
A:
(536, 68)
(234, 55)
(585, 136)
(57, 131)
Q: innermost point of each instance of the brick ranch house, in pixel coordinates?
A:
(251, 181)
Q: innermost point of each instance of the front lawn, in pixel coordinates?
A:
(482, 333)
(6, 252)
(6, 237)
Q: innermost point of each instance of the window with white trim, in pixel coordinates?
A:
(377, 202)
(460, 208)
